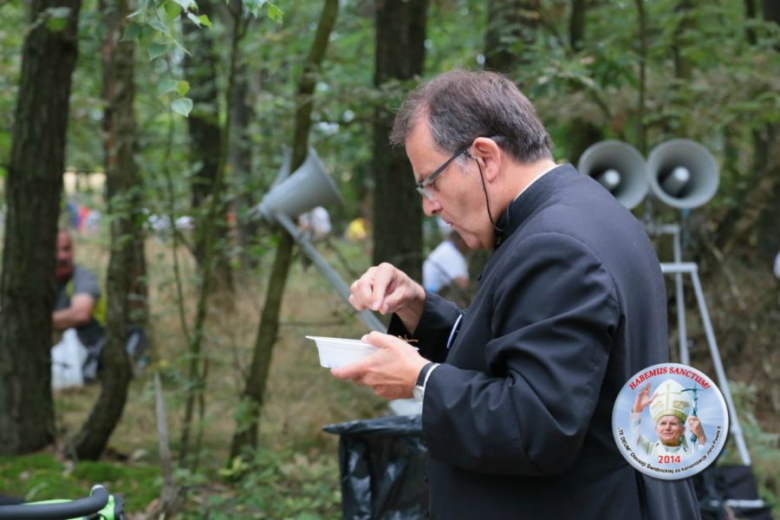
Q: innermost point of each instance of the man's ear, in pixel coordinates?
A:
(487, 152)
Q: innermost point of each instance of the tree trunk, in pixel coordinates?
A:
(248, 425)
(583, 132)
(33, 188)
(769, 215)
(205, 130)
(750, 14)
(198, 367)
(511, 26)
(757, 209)
(125, 288)
(683, 68)
(641, 129)
(771, 12)
(241, 163)
(397, 219)
(579, 9)
(240, 152)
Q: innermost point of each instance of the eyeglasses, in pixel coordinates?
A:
(421, 186)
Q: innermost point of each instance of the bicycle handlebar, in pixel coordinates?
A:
(57, 511)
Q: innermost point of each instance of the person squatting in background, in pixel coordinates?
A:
(79, 304)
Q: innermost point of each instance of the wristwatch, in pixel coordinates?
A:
(419, 387)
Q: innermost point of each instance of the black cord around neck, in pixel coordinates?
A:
(498, 230)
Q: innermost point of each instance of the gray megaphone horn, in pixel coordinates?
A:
(619, 167)
(683, 174)
(308, 187)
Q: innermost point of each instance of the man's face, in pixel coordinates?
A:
(64, 257)
(457, 192)
(670, 430)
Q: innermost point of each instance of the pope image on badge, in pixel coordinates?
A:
(670, 421)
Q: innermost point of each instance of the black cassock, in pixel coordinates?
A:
(517, 419)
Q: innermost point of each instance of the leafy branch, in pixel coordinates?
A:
(154, 27)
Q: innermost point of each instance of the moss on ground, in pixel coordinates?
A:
(41, 476)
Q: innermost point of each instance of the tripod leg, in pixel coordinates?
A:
(680, 302)
(736, 430)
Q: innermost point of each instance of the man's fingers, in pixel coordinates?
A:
(393, 300)
(362, 290)
(384, 341)
(384, 278)
(378, 290)
(376, 339)
(355, 302)
(352, 371)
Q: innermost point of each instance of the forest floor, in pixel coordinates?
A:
(295, 472)
(297, 466)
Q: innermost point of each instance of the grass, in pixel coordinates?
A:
(296, 465)
(43, 476)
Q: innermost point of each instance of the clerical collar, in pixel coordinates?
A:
(529, 198)
(545, 172)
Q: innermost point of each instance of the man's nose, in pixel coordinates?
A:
(431, 207)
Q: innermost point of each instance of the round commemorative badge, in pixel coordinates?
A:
(670, 421)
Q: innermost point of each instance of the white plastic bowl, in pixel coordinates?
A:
(337, 352)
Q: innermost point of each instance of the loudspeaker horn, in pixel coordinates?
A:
(284, 169)
(683, 174)
(619, 167)
(308, 187)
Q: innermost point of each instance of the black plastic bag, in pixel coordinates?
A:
(726, 492)
(382, 465)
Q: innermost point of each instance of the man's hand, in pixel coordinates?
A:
(387, 289)
(643, 399)
(694, 425)
(392, 372)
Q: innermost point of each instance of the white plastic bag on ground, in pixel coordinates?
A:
(67, 358)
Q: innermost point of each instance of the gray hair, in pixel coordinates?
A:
(462, 105)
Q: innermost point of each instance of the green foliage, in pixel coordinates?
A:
(277, 485)
(733, 91)
(244, 414)
(255, 7)
(182, 106)
(154, 27)
(56, 18)
(201, 20)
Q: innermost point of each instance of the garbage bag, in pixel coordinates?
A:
(67, 358)
(730, 491)
(382, 466)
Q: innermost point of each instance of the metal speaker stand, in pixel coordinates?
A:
(367, 317)
(678, 268)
